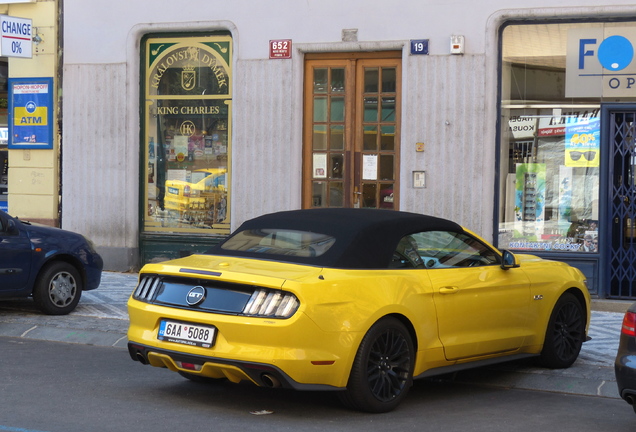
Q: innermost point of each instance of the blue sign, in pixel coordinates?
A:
(30, 113)
(600, 62)
(419, 46)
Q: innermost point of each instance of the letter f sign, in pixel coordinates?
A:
(583, 53)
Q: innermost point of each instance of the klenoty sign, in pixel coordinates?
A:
(600, 62)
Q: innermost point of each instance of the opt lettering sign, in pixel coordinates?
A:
(16, 37)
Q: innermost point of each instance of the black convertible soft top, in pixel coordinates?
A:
(365, 238)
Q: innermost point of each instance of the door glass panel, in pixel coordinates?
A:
(386, 195)
(369, 193)
(388, 109)
(337, 137)
(319, 194)
(370, 109)
(320, 137)
(337, 109)
(337, 166)
(387, 140)
(371, 80)
(388, 80)
(337, 80)
(386, 167)
(336, 194)
(370, 138)
(320, 80)
(320, 109)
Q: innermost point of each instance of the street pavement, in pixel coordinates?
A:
(101, 319)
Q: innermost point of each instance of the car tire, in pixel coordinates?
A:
(382, 372)
(565, 333)
(58, 288)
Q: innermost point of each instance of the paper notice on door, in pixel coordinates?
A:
(320, 165)
(369, 167)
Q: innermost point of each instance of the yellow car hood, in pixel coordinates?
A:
(240, 270)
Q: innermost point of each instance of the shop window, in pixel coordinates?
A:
(186, 134)
(550, 146)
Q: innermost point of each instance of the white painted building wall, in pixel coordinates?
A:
(448, 101)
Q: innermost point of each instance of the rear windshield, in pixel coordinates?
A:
(280, 242)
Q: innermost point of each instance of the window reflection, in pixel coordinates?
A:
(550, 147)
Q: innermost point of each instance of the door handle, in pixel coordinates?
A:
(449, 290)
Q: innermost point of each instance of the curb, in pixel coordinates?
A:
(579, 379)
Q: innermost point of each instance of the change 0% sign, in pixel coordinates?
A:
(16, 37)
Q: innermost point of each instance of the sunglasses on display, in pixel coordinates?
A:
(588, 155)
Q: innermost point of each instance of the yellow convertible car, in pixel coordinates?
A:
(358, 301)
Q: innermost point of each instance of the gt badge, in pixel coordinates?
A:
(195, 296)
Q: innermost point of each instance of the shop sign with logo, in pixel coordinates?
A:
(30, 113)
(600, 62)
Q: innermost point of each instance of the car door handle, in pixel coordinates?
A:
(448, 290)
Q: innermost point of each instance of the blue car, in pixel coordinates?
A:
(49, 264)
(625, 365)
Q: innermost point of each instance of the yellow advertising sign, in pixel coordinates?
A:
(22, 116)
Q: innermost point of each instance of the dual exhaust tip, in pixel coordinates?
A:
(141, 358)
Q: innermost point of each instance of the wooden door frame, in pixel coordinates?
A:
(353, 118)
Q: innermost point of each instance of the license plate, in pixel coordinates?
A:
(186, 333)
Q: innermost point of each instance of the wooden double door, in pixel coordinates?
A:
(352, 130)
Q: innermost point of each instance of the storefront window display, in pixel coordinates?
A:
(550, 147)
(187, 134)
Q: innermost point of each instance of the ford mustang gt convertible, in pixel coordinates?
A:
(357, 301)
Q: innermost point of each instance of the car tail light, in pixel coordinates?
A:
(145, 291)
(629, 324)
(276, 304)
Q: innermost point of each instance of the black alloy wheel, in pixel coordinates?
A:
(382, 371)
(565, 333)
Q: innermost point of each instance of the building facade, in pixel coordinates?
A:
(29, 81)
(180, 123)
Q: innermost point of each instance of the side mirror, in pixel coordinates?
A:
(11, 228)
(509, 260)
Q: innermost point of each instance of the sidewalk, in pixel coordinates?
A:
(101, 319)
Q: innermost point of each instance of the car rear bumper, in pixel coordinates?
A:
(625, 369)
(296, 351)
(261, 374)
